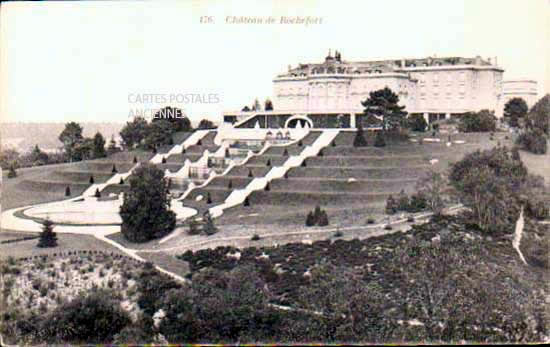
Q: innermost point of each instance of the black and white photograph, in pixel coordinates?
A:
(305, 172)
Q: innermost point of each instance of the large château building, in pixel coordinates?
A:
(329, 94)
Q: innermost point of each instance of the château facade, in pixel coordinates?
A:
(437, 88)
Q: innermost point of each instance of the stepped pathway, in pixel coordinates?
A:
(238, 196)
(115, 179)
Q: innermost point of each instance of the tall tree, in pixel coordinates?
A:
(70, 137)
(431, 187)
(99, 146)
(385, 103)
(38, 157)
(539, 115)
(268, 105)
(134, 132)
(206, 124)
(145, 211)
(159, 133)
(514, 109)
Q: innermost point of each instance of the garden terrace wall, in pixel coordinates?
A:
(173, 167)
(196, 149)
(296, 198)
(79, 176)
(217, 194)
(104, 166)
(180, 158)
(370, 161)
(359, 173)
(236, 181)
(242, 171)
(341, 185)
(275, 160)
(116, 189)
(397, 150)
(53, 187)
(128, 157)
(279, 151)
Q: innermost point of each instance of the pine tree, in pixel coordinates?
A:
(164, 160)
(183, 150)
(267, 187)
(47, 236)
(135, 160)
(97, 194)
(391, 205)
(359, 140)
(209, 227)
(67, 191)
(333, 143)
(286, 175)
(304, 163)
(323, 219)
(285, 153)
(121, 181)
(114, 170)
(320, 154)
(268, 162)
(154, 150)
(12, 173)
(199, 143)
(208, 198)
(230, 184)
(300, 143)
(317, 213)
(250, 173)
(379, 140)
(310, 219)
(91, 179)
(246, 202)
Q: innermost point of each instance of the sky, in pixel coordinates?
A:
(105, 61)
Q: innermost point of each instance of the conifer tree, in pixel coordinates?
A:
(12, 173)
(360, 140)
(135, 160)
(208, 198)
(285, 153)
(114, 170)
(268, 162)
(250, 173)
(164, 160)
(310, 219)
(97, 194)
(121, 181)
(230, 184)
(67, 191)
(391, 205)
(267, 187)
(47, 238)
(323, 219)
(304, 163)
(92, 179)
(379, 140)
(246, 202)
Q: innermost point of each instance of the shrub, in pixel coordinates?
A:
(533, 141)
(268, 163)
(338, 233)
(12, 173)
(304, 164)
(114, 170)
(47, 236)
(97, 193)
(208, 198)
(410, 219)
(267, 187)
(482, 121)
(310, 219)
(370, 221)
(323, 219)
(255, 237)
(359, 140)
(417, 123)
(91, 179)
(230, 184)
(121, 181)
(246, 202)
(135, 160)
(391, 205)
(250, 175)
(300, 143)
(285, 153)
(388, 227)
(163, 160)
(379, 140)
(67, 191)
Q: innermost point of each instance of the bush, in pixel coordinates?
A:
(255, 237)
(97, 193)
(359, 140)
(12, 173)
(533, 141)
(379, 140)
(338, 233)
(246, 202)
(208, 198)
(163, 160)
(47, 237)
(67, 191)
(135, 160)
(114, 170)
(91, 179)
(410, 219)
(482, 121)
(417, 123)
(121, 181)
(323, 219)
(388, 227)
(310, 220)
(391, 205)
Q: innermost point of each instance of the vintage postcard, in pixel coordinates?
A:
(274, 172)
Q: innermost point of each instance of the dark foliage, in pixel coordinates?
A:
(47, 238)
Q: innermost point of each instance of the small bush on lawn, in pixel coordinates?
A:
(317, 217)
(255, 237)
(370, 221)
(379, 140)
(388, 227)
(68, 191)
